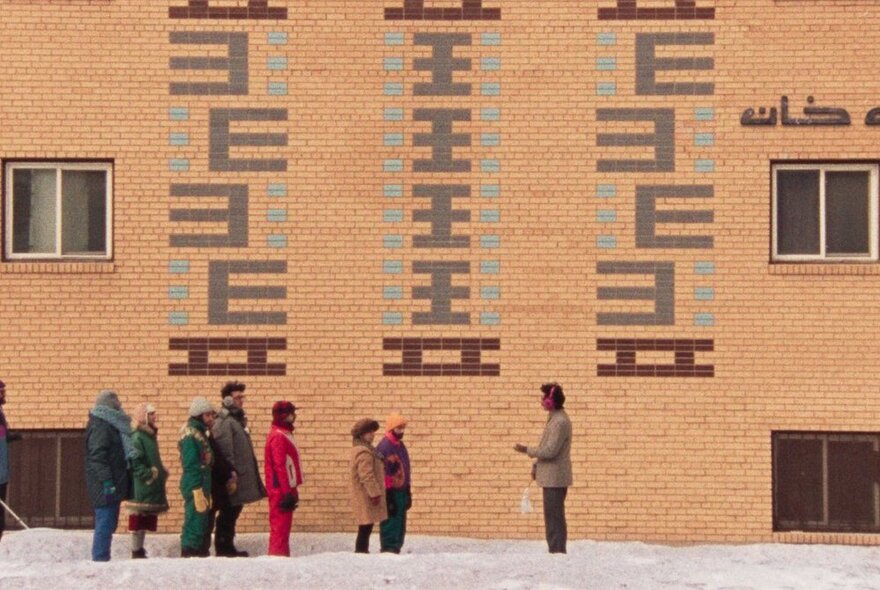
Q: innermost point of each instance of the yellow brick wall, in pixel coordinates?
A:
(658, 459)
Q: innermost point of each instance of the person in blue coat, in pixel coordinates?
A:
(109, 449)
(6, 437)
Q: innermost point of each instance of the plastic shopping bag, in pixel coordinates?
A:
(525, 505)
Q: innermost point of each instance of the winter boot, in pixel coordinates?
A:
(139, 554)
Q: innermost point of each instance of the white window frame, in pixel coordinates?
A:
(59, 167)
(822, 256)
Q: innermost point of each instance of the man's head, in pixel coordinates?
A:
(233, 394)
(552, 396)
(108, 398)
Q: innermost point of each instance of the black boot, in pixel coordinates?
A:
(139, 554)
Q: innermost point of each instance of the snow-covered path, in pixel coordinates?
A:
(47, 559)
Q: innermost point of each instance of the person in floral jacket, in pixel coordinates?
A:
(283, 477)
(149, 477)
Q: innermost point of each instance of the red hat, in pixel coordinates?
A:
(282, 408)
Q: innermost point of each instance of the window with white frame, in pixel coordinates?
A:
(58, 210)
(824, 212)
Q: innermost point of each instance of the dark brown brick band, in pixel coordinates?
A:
(469, 10)
(255, 10)
(412, 353)
(199, 348)
(683, 10)
(684, 352)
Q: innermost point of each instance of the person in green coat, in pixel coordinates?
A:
(149, 480)
(197, 459)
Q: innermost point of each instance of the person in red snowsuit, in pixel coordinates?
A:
(283, 477)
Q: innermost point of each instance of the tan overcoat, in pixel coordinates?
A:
(553, 453)
(367, 481)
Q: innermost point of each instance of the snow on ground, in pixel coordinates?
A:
(51, 559)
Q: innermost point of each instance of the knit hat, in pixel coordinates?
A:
(201, 406)
(395, 420)
(363, 426)
(108, 398)
(282, 408)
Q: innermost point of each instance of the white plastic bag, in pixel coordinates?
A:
(525, 505)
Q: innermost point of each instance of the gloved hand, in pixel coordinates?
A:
(289, 501)
(375, 500)
(109, 492)
(392, 505)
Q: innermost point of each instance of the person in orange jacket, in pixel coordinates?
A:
(283, 477)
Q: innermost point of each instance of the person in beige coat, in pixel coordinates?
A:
(367, 482)
(552, 467)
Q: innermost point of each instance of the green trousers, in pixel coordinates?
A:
(195, 524)
(393, 530)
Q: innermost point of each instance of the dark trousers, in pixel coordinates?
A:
(393, 531)
(224, 532)
(362, 544)
(2, 510)
(554, 519)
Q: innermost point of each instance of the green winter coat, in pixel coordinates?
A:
(196, 458)
(149, 474)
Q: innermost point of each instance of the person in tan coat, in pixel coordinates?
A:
(367, 482)
(552, 467)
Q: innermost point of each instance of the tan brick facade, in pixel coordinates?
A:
(678, 458)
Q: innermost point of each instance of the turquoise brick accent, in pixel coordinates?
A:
(704, 166)
(392, 190)
(490, 318)
(178, 292)
(490, 191)
(704, 293)
(277, 88)
(392, 139)
(277, 215)
(276, 63)
(490, 89)
(395, 38)
(276, 241)
(178, 318)
(490, 267)
(178, 139)
(704, 113)
(704, 139)
(393, 64)
(178, 266)
(178, 164)
(606, 64)
(392, 318)
(392, 267)
(490, 292)
(490, 216)
(178, 113)
(607, 242)
(490, 241)
(704, 319)
(392, 292)
(704, 268)
(490, 139)
(276, 189)
(606, 215)
(490, 39)
(606, 191)
(392, 165)
(606, 88)
(606, 39)
(490, 114)
(490, 64)
(392, 241)
(392, 89)
(490, 166)
(276, 38)
(393, 114)
(392, 215)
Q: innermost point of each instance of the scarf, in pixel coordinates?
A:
(121, 422)
(282, 424)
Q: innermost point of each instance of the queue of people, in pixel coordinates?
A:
(220, 474)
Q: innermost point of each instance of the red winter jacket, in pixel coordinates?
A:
(283, 472)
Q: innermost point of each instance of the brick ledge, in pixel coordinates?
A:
(57, 267)
(824, 269)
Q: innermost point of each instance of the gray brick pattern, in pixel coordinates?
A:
(235, 216)
(221, 140)
(663, 140)
(442, 65)
(441, 292)
(236, 63)
(441, 215)
(663, 294)
(647, 216)
(220, 292)
(648, 64)
(441, 140)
